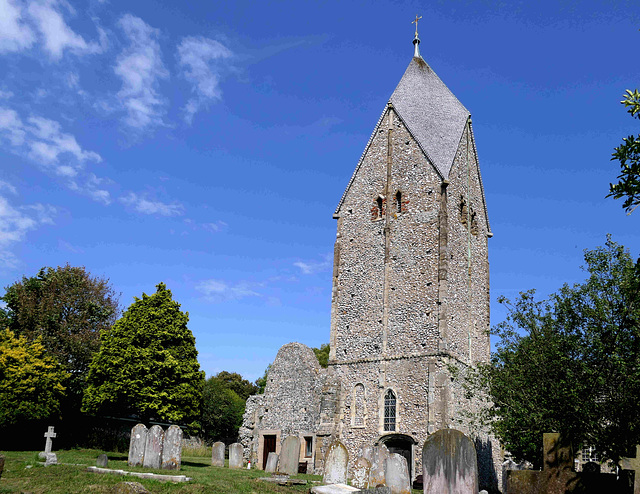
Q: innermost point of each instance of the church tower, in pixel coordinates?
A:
(410, 294)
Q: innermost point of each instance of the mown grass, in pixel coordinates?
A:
(23, 473)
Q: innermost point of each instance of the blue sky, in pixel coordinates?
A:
(206, 144)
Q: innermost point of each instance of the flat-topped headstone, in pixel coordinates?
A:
(217, 454)
(335, 464)
(49, 439)
(396, 474)
(376, 475)
(290, 455)
(361, 471)
(102, 461)
(153, 448)
(449, 463)
(137, 444)
(172, 448)
(235, 455)
(272, 462)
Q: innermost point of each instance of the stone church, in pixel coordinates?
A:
(410, 298)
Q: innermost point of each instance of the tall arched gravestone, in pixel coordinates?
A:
(137, 445)
(172, 448)
(217, 454)
(290, 455)
(449, 463)
(153, 448)
(335, 464)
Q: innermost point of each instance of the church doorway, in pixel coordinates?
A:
(269, 447)
(402, 445)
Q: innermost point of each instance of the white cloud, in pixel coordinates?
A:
(91, 186)
(5, 94)
(58, 36)
(140, 67)
(313, 267)
(16, 222)
(218, 290)
(202, 62)
(8, 187)
(15, 35)
(142, 204)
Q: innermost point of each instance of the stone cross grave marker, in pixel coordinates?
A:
(235, 455)
(49, 435)
(172, 448)
(361, 472)
(633, 464)
(290, 455)
(449, 463)
(376, 475)
(153, 448)
(137, 444)
(335, 464)
(217, 454)
(272, 462)
(396, 474)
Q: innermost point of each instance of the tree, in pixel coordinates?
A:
(147, 365)
(66, 308)
(571, 364)
(322, 354)
(628, 154)
(261, 382)
(30, 380)
(222, 410)
(235, 382)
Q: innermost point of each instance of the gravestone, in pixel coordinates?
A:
(272, 462)
(367, 453)
(361, 472)
(633, 464)
(153, 448)
(235, 455)
(172, 448)
(290, 455)
(51, 459)
(129, 488)
(102, 461)
(217, 454)
(449, 463)
(396, 474)
(137, 444)
(507, 465)
(376, 475)
(335, 464)
(49, 443)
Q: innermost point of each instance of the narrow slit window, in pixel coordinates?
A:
(379, 204)
(399, 202)
(389, 411)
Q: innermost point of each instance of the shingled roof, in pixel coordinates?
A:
(431, 112)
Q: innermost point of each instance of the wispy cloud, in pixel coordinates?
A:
(219, 290)
(140, 67)
(213, 227)
(142, 204)
(15, 34)
(202, 61)
(312, 267)
(16, 222)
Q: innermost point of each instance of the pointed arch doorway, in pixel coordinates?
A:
(401, 444)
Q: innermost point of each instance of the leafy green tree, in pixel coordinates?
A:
(322, 354)
(30, 380)
(235, 382)
(571, 364)
(222, 410)
(66, 308)
(628, 154)
(147, 365)
(261, 382)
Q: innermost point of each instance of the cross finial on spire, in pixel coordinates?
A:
(416, 40)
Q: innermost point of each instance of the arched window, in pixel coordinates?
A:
(389, 411)
(358, 405)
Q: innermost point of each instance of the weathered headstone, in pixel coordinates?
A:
(396, 474)
(361, 472)
(137, 444)
(102, 461)
(49, 443)
(367, 453)
(129, 488)
(235, 455)
(272, 462)
(51, 459)
(217, 454)
(335, 464)
(449, 463)
(172, 448)
(290, 455)
(153, 448)
(633, 464)
(376, 475)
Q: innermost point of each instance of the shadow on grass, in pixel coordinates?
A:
(117, 457)
(194, 464)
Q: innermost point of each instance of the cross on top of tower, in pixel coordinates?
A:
(416, 23)
(416, 40)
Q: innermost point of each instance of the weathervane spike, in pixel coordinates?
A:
(416, 40)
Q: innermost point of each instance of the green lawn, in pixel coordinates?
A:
(22, 473)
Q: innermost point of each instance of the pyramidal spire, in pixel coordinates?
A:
(416, 40)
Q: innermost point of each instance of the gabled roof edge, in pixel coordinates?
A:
(484, 200)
